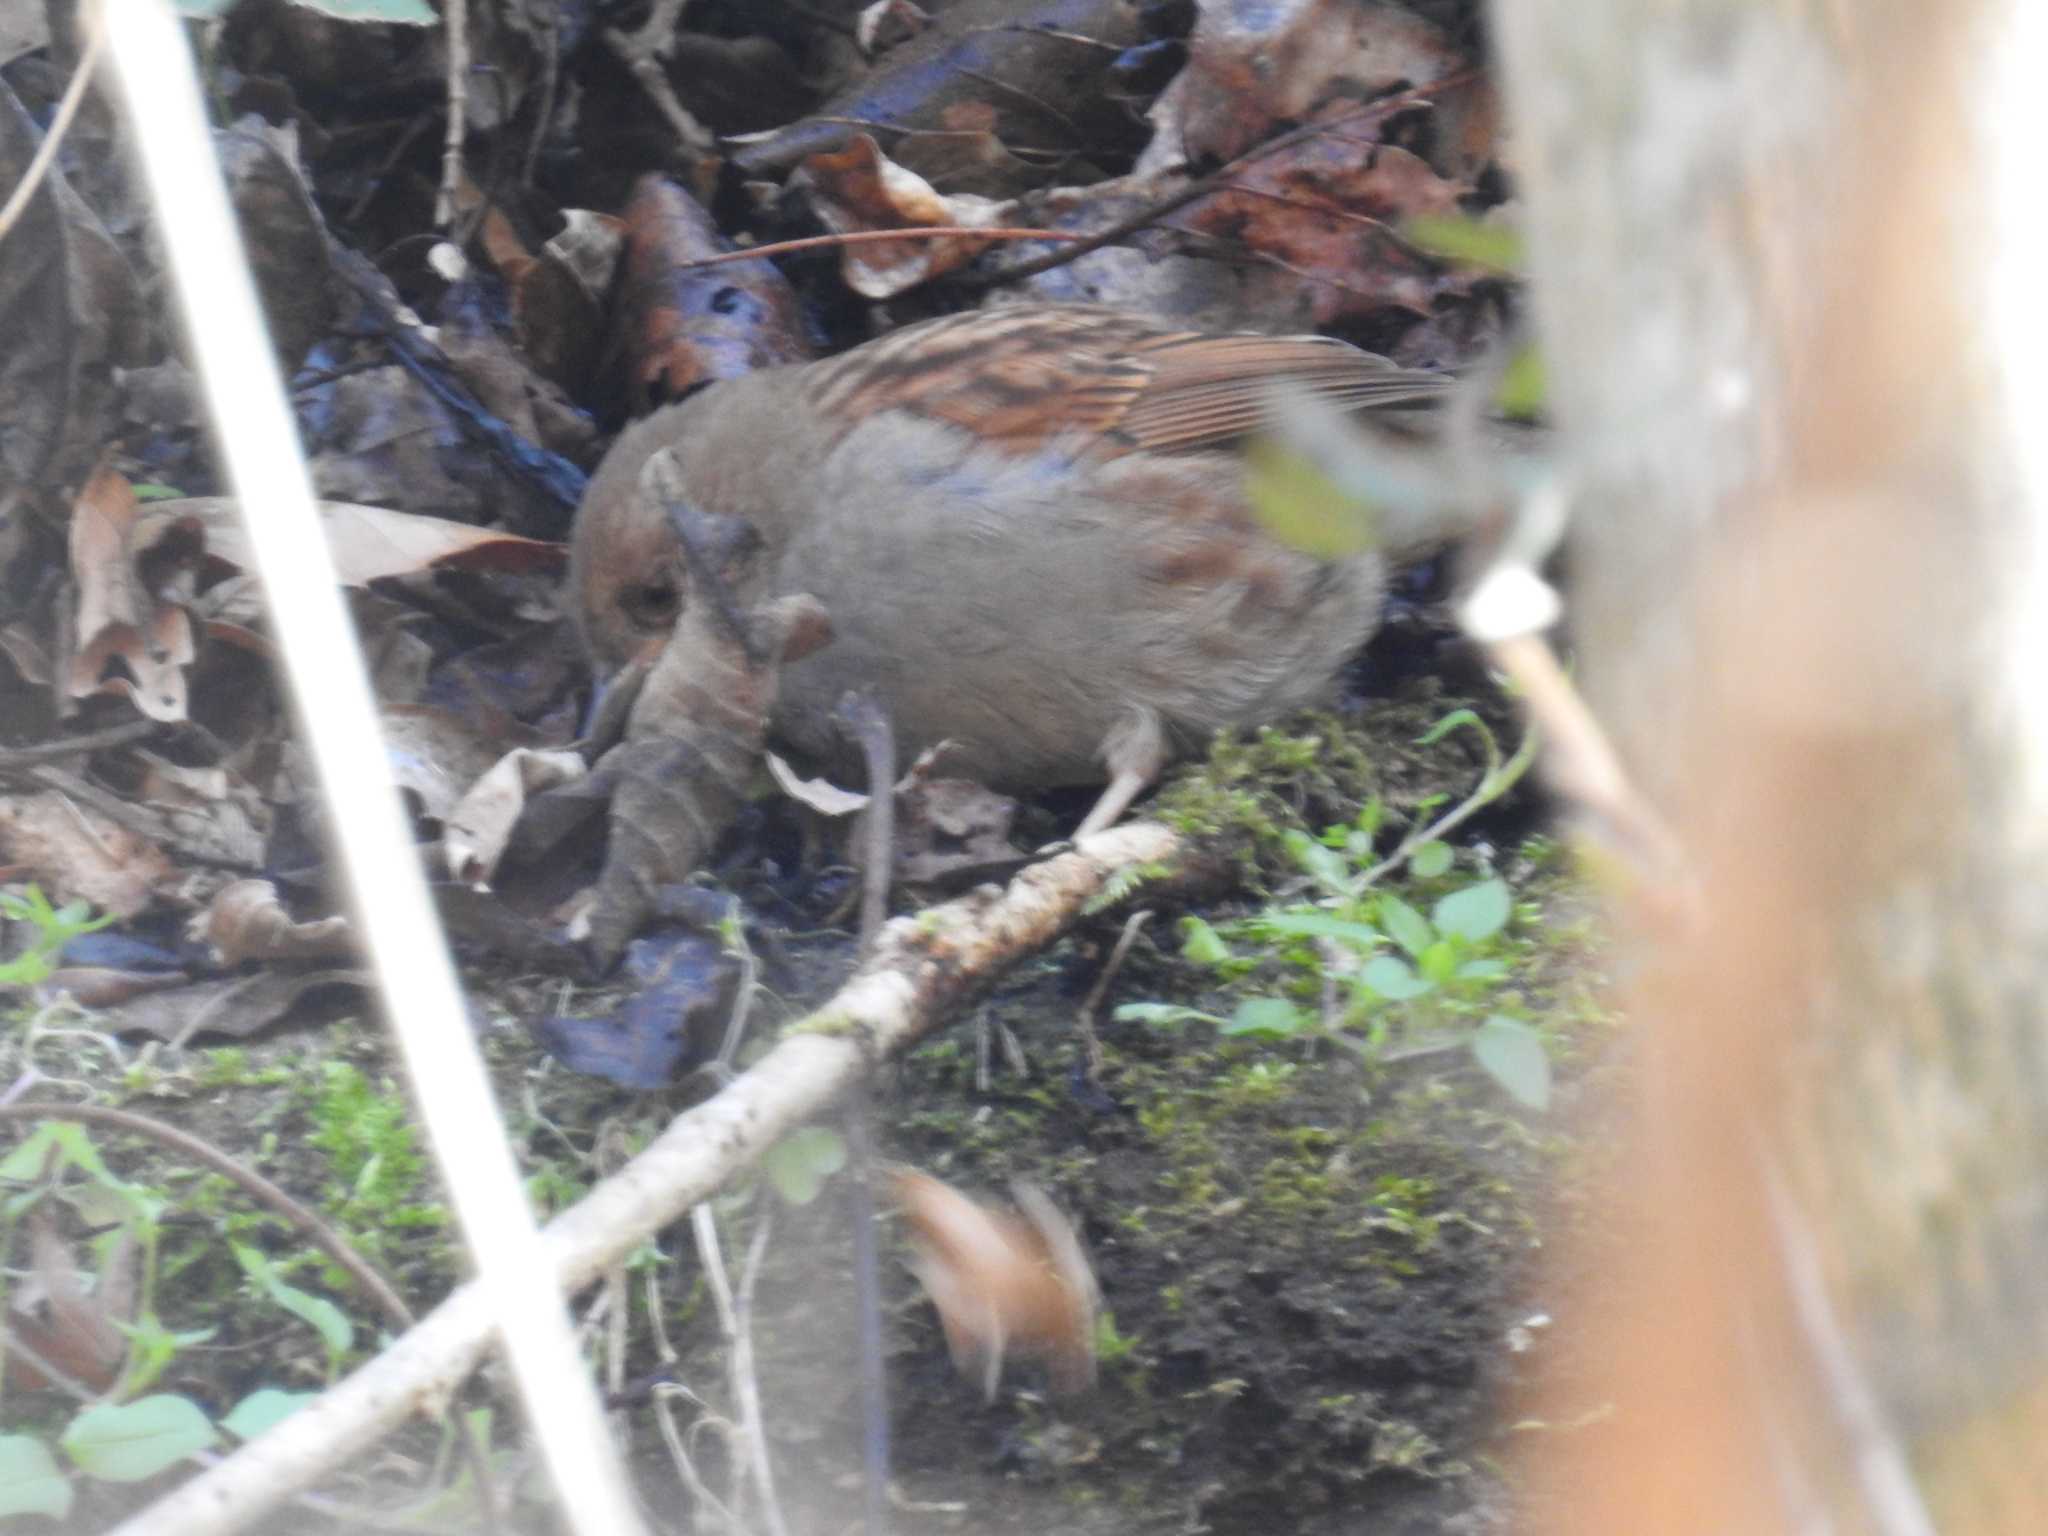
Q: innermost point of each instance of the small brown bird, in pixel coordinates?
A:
(1030, 531)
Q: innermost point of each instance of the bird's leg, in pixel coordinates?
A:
(1135, 752)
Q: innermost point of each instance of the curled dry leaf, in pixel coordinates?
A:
(480, 824)
(1042, 65)
(858, 188)
(1256, 65)
(62, 1322)
(675, 326)
(236, 1007)
(1004, 1282)
(695, 736)
(69, 313)
(247, 921)
(943, 826)
(1304, 236)
(75, 854)
(132, 634)
(369, 543)
(558, 297)
(883, 24)
(282, 231)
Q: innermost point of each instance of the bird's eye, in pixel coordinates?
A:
(651, 604)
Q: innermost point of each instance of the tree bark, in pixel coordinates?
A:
(1761, 246)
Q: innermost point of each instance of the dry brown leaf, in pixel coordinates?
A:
(857, 189)
(370, 543)
(1257, 65)
(247, 921)
(70, 314)
(675, 326)
(436, 755)
(132, 637)
(479, 825)
(76, 854)
(236, 1007)
(1003, 1281)
(63, 1323)
(1042, 66)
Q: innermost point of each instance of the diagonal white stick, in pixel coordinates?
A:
(257, 441)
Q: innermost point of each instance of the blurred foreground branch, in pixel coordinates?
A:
(1761, 240)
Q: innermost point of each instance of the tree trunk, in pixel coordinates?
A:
(1763, 240)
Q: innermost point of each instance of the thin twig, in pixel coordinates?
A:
(746, 1388)
(1216, 181)
(1093, 1004)
(78, 746)
(60, 123)
(862, 717)
(876, 237)
(551, 68)
(455, 21)
(253, 1184)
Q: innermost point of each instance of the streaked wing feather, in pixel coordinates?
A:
(1025, 375)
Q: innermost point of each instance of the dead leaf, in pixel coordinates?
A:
(283, 233)
(247, 921)
(820, 794)
(675, 326)
(371, 543)
(558, 297)
(76, 854)
(70, 314)
(858, 188)
(236, 1007)
(133, 637)
(1255, 66)
(478, 827)
(1042, 66)
(1004, 1282)
(695, 736)
(64, 1323)
(947, 827)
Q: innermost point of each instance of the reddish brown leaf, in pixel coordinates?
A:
(674, 326)
(1255, 65)
(130, 638)
(74, 853)
(858, 188)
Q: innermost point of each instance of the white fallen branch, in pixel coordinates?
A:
(922, 968)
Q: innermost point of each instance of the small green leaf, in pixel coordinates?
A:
(1392, 979)
(1475, 242)
(1165, 1015)
(1476, 913)
(1316, 925)
(1430, 859)
(325, 1318)
(126, 1442)
(1302, 508)
(263, 1408)
(1369, 817)
(1406, 926)
(1266, 1018)
(31, 1482)
(1201, 943)
(1512, 1054)
(800, 1163)
(1450, 723)
(1439, 962)
(1482, 970)
(1523, 387)
(1325, 866)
